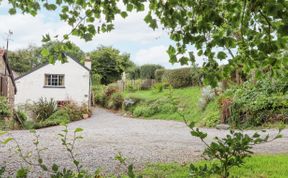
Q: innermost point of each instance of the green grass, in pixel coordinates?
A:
(188, 97)
(261, 166)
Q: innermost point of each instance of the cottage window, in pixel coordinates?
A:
(54, 80)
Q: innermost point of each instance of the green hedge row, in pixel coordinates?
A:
(179, 78)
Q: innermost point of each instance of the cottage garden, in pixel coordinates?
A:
(250, 91)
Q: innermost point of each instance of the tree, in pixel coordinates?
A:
(24, 60)
(109, 63)
(147, 71)
(73, 50)
(253, 34)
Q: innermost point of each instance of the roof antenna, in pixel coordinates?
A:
(8, 38)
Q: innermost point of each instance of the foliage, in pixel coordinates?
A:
(43, 109)
(252, 34)
(96, 79)
(272, 166)
(116, 101)
(110, 89)
(159, 74)
(73, 110)
(35, 159)
(73, 50)
(20, 117)
(158, 87)
(229, 151)
(24, 60)
(256, 104)
(59, 117)
(133, 85)
(186, 99)
(98, 93)
(147, 71)
(109, 63)
(5, 110)
(134, 73)
(178, 77)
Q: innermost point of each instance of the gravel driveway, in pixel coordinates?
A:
(106, 134)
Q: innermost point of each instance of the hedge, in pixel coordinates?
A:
(147, 71)
(178, 77)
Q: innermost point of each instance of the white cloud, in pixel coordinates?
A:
(27, 29)
(154, 55)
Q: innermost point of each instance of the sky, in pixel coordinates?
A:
(131, 35)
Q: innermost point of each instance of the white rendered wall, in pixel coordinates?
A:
(31, 87)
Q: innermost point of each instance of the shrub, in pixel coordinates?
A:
(256, 104)
(167, 108)
(110, 89)
(96, 79)
(147, 71)
(158, 87)
(5, 110)
(73, 110)
(145, 111)
(20, 117)
(59, 117)
(178, 77)
(159, 74)
(43, 109)
(116, 101)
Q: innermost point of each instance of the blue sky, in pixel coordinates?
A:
(131, 35)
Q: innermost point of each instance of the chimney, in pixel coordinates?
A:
(88, 62)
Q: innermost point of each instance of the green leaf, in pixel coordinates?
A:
(12, 11)
(7, 140)
(221, 55)
(45, 52)
(55, 167)
(78, 130)
(129, 7)
(124, 14)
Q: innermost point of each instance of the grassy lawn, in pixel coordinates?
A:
(261, 166)
(188, 97)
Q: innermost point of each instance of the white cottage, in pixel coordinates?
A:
(61, 82)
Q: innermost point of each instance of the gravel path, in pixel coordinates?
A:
(106, 134)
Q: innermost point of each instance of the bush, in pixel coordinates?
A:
(59, 117)
(178, 78)
(116, 101)
(158, 87)
(5, 110)
(20, 117)
(256, 104)
(147, 71)
(73, 110)
(110, 89)
(159, 74)
(43, 109)
(145, 111)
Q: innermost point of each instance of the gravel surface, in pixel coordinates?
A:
(105, 134)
